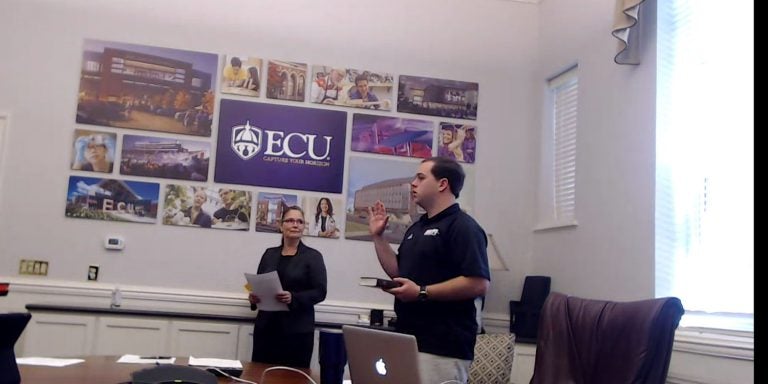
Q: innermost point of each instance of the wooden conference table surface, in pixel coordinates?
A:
(106, 370)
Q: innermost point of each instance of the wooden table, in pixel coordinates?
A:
(106, 370)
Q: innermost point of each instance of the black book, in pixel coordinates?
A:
(378, 283)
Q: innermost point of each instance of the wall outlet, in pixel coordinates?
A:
(33, 267)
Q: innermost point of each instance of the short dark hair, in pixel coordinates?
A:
(236, 62)
(450, 169)
(359, 77)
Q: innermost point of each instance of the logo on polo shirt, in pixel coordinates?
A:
(431, 232)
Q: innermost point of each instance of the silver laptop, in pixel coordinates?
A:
(381, 357)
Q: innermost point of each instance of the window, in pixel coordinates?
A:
(704, 161)
(557, 207)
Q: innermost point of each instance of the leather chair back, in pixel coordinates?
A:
(584, 341)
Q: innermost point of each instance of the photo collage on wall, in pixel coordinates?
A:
(298, 147)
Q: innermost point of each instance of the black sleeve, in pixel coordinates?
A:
(317, 283)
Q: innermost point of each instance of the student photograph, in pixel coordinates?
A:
(187, 206)
(458, 141)
(349, 87)
(195, 214)
(241, 75)
(234, 74)
(329, 85)
(323, 222)
(287, 337)
(361, 95)
(94, 151)
(234, 209)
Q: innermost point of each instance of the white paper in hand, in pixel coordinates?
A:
(266, 286)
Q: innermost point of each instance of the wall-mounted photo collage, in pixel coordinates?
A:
(293, 147)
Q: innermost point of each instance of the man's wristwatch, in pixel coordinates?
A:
(423, 296)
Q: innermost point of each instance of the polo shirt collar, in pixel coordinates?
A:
(444, 213)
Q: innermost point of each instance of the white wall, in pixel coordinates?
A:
(610, 254)
(490, 42)
(508, 47)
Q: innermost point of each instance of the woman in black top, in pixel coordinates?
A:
(287, 337)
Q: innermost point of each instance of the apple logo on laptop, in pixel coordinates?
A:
(381, 367)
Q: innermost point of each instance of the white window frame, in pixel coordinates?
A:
(557, 173)
(705, 99)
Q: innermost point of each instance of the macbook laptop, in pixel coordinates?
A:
(381, 357)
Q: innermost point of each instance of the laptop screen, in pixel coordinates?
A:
(381, 357)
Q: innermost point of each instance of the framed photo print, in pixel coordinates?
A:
(145, 87)
(204, 207)
(457, 141)
(241, 75)
(350, 87)
(324, 215)
(112, 200)
(94, 151)
(163, 157)
(392, 135)
(437, 97)
(270, 208)
(286, 80)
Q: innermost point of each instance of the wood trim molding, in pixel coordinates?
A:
(708, 342)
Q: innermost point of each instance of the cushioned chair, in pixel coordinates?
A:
(494, 353)
(524, 314)
(584, 341)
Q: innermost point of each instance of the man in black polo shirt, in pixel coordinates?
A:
(442, 265)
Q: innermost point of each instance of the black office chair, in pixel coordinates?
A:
(524, 314)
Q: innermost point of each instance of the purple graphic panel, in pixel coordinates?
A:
(280, 146)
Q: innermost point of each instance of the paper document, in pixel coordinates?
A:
(136, 359)
(47, 361)
(266, 286)
(218, 363)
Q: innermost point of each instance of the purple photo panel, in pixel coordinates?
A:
(280, 146)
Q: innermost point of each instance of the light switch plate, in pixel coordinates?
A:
(33, 267)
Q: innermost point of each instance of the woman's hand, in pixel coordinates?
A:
(284, 297)
(253, 298)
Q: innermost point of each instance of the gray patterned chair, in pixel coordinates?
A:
(494, 353)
